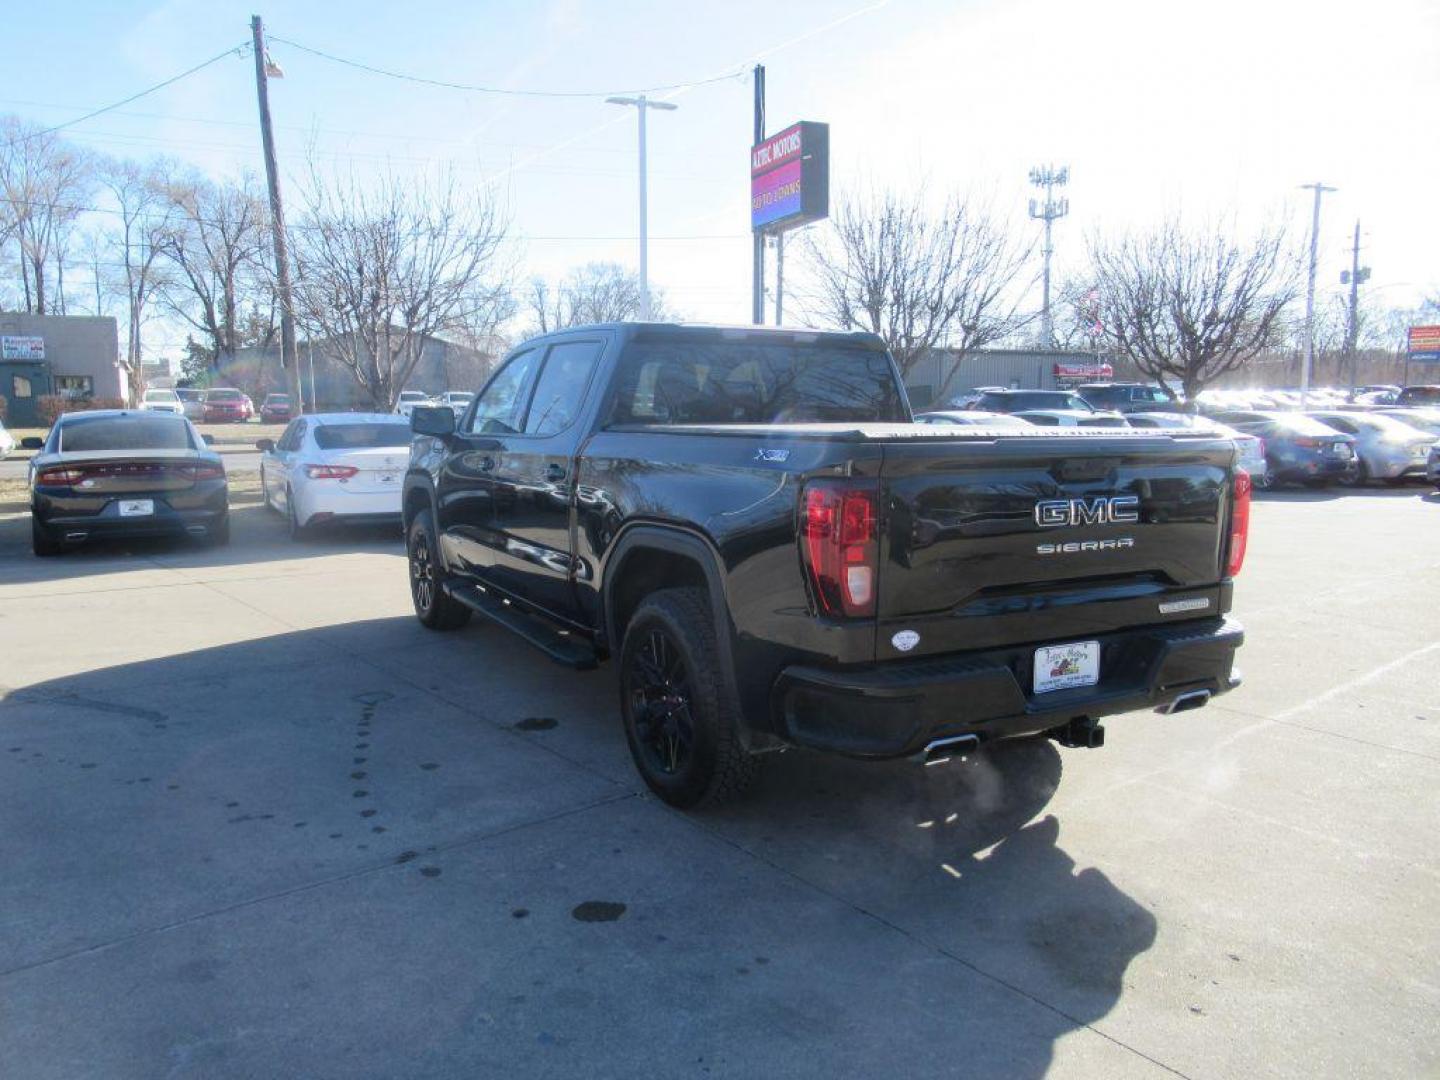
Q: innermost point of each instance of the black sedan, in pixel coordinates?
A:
(122, 473)
(1298, 448)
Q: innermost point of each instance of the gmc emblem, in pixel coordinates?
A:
(1064, 513)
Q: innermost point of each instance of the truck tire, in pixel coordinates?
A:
(433, 607)
(680, 720)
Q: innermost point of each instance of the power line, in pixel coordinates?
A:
(443, 84)
(234, 50)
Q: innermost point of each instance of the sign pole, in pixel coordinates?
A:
(757, 271)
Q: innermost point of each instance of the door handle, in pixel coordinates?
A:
(554, 472)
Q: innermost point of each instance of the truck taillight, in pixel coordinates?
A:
(1239, 523)
(840, 540)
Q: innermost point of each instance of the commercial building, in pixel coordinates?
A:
(68, 355)
(945, 373)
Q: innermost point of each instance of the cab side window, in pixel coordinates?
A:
(501, 408)
(560, 390)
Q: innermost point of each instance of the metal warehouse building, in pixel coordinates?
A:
(78, 356)
(1027, 369)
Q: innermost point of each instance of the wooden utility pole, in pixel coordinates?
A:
(288, 359)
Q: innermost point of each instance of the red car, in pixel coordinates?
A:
(275, 409)
(227, 407)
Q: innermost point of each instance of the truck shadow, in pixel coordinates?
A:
(957, 857)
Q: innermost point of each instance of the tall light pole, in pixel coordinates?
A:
(1049, 178)
(642, 103)
(1319, 189)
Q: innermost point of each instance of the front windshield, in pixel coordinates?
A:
(161, 395)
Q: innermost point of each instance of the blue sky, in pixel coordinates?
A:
(1218, 107)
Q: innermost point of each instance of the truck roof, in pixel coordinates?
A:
(790, 335)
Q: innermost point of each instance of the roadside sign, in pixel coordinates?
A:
(16, 347)
(790, 178)
(1424, 344)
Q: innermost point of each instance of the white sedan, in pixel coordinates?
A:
(336, 467)
(7, 442)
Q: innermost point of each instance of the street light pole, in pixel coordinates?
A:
(1319, 189)
(641, 104)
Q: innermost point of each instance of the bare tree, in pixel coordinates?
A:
(1193, 306)
(920, 279)
(214, 244)
(383, 268)
(146, 219)
(44, 183)
(597, 292)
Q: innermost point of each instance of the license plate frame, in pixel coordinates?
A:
(136, 508)
(1065, 667)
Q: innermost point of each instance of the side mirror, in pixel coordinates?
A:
(263, 445)
(32, 442)
(209, 439)
(434, 420)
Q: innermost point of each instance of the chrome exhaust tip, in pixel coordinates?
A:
(75, 537)
(1191, 699)
(939, 751)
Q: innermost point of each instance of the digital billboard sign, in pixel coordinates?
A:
(1424, 344)
(790, 178)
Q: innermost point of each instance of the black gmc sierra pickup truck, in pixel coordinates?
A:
(777, 556)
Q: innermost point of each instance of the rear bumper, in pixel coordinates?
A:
(166, 521)
(894, 709)
(325, 501)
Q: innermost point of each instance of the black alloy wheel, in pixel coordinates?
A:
(681, 719)
(660, 695)
(433, 606)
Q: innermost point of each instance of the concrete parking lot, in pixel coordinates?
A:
(256, 821)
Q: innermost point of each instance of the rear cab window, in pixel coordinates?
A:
(705, 380)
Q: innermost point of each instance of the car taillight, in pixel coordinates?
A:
(1309, 442)
(202, 471)
(60, 475)
(330, 472)
(840, 540)
(1239, 523)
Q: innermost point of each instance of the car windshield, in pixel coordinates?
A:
(411, 395)
(224, 395)
(1024, 400)
(359, 436)
(277, 399)
(1106, 397)
(85, 434)
(704, 381)
(161, 395)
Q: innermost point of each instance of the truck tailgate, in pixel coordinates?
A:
(1006, 540)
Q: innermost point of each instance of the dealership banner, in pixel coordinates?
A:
(790, 178)
(22, 348)
(1424, 344)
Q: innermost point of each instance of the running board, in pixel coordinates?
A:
(569, 649)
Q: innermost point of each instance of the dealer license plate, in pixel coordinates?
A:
(137, 507)
(1059, 667)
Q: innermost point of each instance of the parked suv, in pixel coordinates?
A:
(227, 406)
(1129, 397)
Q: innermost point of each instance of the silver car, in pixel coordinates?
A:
(1388, 449)
(1251, 447)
